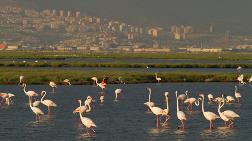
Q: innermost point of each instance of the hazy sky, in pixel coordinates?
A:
(163, 12)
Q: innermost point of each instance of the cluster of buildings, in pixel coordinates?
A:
(65, 30)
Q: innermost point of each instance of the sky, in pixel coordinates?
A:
(161, 12)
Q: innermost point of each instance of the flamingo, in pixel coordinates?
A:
(180, 114)
(87, 122)
(167, 110)
(157, 78)
(210, 97)
(21, 79)
(101, 85)
(237, 95)
(53, 85)
(66, 82)
(117, 91)
(239, 68)
(47, 102)
(85, 108)
(156, 111)
(149, 103)
(182, 97)
(102, 98)
(190, 101)
(240, 79)
(94, 80)
(222, 116)
(218, 100)
(230, 99)
(210, 116)
(7, 98)
(35, 110)
(231, 115)
(250, 79)
(30, 94)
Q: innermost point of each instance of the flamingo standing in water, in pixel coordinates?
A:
(117, 91)
(157, 78)
(156, 111)
(237, 95)
(230, 115)
(167, 110)
(210, 116)
(180, 114)
(47, 102)
(240, 79)
(85, 108)
(190, 101)
(30, 94)
(149, 103)
(87, 122)
(210, 98)
(52, 85)
(66, 82)
(250, 79)
(35, 110)
(7, 98)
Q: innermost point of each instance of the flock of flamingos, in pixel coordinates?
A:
(228, 116)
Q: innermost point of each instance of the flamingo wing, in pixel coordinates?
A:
(181, 115)
(230, 114)
(88, 122)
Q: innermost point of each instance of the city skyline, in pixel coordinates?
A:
(228, 14)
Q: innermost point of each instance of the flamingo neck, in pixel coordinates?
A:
(203, 110)
(149, 97)
(30, 103)
(79, 111)
(25, 89)
(177, 106)
(167, 105)
(42, 98)
(186, 95)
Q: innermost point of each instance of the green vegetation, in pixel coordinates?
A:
(11, 76)
(63, 55)
(121, 65)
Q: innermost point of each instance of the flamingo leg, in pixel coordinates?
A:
(210, 124)
(157, 121)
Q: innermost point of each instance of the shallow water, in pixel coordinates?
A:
(126, 119)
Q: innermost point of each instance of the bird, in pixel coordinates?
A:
(157, 78)
(250, 79)
(190, 101)
(167, 110)
(85, 108)
(47, 102)
(101, 85)
(182, 97)
(156, 111)
(52, 85)
(7, 98)
(222, 116)
(87, 122)
(66, 82)
(102, 98)
(240, 79)
(117, 91)
(239, 68)
(231, 115)
(218, 100)
(94, 80)
(30, 94)
(36, 110)
(21, 80)
(237, 95)
(210, 116)
(149, 103)
(210, 97)
(230, 99)
(180, 114)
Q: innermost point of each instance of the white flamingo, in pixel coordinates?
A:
(210, 116)
(67, 82)
(52, 85)
(240, 79)
(250, 79)
(30, 94)
(237, 95)
(149, 103)
(157, 78)
(47, 102)
(35, 110)
(222, 116)
(117, 91)
(87, 122)
(231, 115)
(230, 99)
(7, 98)
(180, 114)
